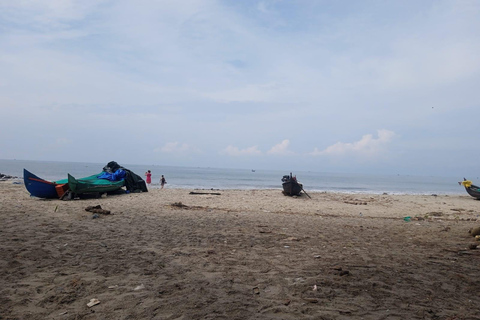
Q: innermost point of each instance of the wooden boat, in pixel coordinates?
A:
(291, 187)
(472, 189)
(110, 180)
(93, 184)
(39, 187)
(42, 188)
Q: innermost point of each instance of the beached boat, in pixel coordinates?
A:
(111, 179)
(39, 187)
(291, 187)
(472, 189)
(42, 188)
(93, 184)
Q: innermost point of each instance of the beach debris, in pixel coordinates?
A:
(355, 202)
(477, 237)
(474, 232)
(4, 177)
(472, 246)
(265, 231)
(56, 208)
(140, 287)
(184, 206)
(287, 302)
(292, 239)
(93, 302)
(256, 290)
(97, 209)
(341, 272)
(298, 280)
(315, 288)
(179, 205)
(95, 216)
(435, 213)
(408, 218)
(113, 287)
(209, 193)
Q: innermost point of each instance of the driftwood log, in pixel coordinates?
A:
(211, 193)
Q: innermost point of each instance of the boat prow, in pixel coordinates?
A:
(39, 187)
(471, 189)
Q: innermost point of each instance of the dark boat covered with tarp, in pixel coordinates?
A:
(133, 182)
(471, 189)
(112, 179)
(291, 187)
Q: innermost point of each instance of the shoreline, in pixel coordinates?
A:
(448, 206)
(366, 193)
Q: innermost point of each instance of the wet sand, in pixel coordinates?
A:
(254, 254)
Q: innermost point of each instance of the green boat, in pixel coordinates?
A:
(93, 184)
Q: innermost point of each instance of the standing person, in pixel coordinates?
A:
(148, 174)
(163, 181)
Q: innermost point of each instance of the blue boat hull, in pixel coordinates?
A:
(39, 187)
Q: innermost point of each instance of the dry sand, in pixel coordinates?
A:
(239, 255)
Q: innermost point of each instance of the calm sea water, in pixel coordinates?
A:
(208, 178)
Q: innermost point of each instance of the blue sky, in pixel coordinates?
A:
(330, 86)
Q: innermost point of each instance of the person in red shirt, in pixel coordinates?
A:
(148, 174)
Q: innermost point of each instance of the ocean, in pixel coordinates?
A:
(218, 178)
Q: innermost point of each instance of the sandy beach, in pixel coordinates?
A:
(239, 254)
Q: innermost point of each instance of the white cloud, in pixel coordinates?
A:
(281, 148)
(367, 146)
(176, 147)
(235, 151)
(47, 13)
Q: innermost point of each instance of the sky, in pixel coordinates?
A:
(371, 86)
